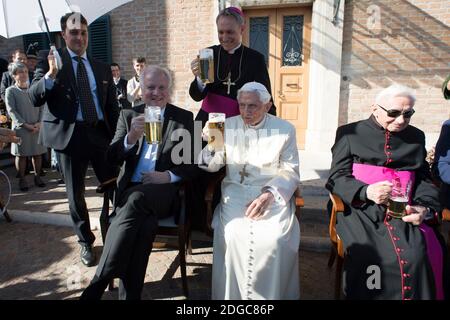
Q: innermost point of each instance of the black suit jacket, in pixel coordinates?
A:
(59, 115)
(7, 81)
(175, 118)
(121, 88)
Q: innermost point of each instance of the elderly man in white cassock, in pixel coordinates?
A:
(256, 232)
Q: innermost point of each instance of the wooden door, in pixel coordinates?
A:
(283, 36)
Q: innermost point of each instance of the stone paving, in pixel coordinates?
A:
(52, 198)
(42, 262)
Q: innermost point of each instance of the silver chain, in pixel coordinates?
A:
(240, 63)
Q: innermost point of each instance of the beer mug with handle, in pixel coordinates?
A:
(399, 197)
(216, 128)
(153, 124)
(206, 65)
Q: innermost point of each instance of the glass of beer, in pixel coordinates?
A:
(216, 128)
(399, 198)
(206, 65)
(153, 125)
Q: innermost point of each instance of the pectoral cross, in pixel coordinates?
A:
(229, 83)
(243, 174)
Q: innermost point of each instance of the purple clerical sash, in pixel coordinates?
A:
(217, 103)
(372, 174)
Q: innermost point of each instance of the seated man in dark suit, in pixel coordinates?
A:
(147, 186)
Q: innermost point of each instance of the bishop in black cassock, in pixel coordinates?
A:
(242, 66)
(234, 65)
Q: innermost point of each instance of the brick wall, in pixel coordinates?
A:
(168, 33)
(9, 45)
(409, 44)
(263, 3)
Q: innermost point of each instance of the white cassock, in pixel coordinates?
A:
(256, 259)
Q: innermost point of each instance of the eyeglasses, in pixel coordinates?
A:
(396, 113)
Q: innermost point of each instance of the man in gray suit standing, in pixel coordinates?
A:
(79, 119)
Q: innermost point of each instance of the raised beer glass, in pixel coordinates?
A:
(153, 125)
(216, 126)
(206, 65)
(399, 198)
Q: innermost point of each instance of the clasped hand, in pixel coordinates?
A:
(257, 208)
(32, 127)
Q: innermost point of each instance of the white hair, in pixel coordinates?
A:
(14, 67)
(155, 69)
(395, 90)
(263, 95)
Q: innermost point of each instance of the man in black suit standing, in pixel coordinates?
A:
(147, 186)
(121, 87)
(79, 119)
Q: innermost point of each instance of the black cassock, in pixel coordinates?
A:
(245, 65)
(370, 239)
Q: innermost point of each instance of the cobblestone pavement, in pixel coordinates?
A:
(52, 198)
(42, 262)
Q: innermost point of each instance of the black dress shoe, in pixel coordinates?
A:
(23, 186)
(95, 289)
(38, 182)
(87, 255)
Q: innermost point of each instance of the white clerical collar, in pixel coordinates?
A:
(233, 50)
(260, 124)
(73, 54)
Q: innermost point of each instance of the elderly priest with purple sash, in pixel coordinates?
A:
(388, 256)
(234, 65)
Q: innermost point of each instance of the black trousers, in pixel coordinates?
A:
(87, 145)
(130, 237)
